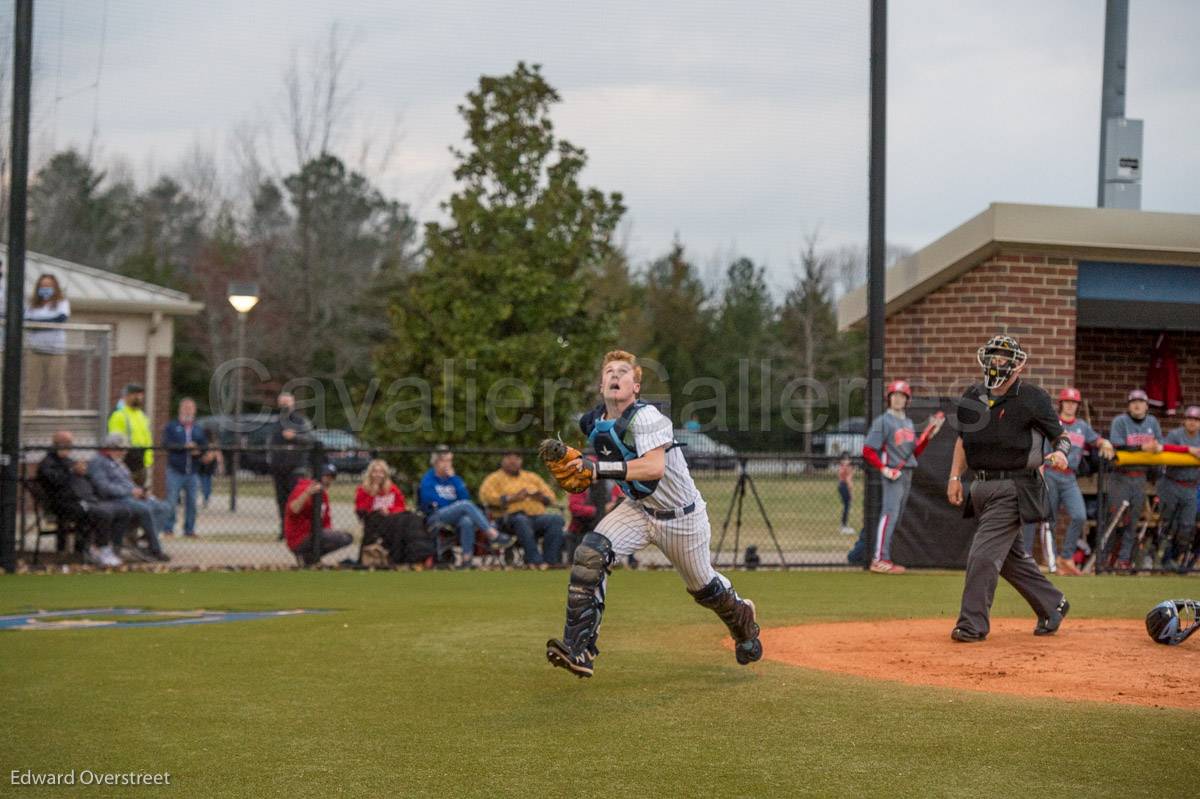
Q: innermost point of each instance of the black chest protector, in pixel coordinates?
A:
(607, 439)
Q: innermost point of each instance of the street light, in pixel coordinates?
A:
(243, 297)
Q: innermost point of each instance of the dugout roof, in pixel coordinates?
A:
(1138, 256)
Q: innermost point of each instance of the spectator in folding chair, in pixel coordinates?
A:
(445, 500)
(519, 499)
(110, 476)
(71, 497)
(298, 527)
(379, 503)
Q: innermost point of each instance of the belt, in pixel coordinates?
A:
(1184, 483)
(1132, 472)
(674, 513)
(1002, 474)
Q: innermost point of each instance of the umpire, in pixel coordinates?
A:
(1002, 426)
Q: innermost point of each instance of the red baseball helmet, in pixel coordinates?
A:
(897, 385)
(1071, 393)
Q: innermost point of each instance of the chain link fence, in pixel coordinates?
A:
(767, 510)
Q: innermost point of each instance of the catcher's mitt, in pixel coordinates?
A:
(557, 455)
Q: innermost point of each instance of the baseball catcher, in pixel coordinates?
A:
(635, 447)
(1171, 622)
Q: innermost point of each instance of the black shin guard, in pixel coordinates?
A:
(738, 615)
(585, 593)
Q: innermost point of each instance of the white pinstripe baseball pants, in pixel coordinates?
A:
(685, 541)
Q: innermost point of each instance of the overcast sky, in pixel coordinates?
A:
(741, 127)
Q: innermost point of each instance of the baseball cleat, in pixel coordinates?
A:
(750, 649)
(558, 655)
(965, 636)
(1050, 626)
(887, 567)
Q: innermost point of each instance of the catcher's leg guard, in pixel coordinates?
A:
(738, 615)
(585, 606)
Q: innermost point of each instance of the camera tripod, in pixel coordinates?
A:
(739, 496)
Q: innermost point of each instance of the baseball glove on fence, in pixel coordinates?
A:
(557, 455)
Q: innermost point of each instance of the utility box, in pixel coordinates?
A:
(1123, 163)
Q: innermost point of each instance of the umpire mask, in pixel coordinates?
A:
(1000, 358)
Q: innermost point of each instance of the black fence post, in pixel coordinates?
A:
(876, 247)
(10, 434)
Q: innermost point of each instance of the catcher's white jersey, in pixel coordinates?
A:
(685, 539)
(675, 489)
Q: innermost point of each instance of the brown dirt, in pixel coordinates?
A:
(1102, 660)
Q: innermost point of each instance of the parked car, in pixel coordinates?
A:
(845, 439)
(344, 450)
(701, 452)
(244, 429)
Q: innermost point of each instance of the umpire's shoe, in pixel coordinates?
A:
(965, 636)
(1050, 626)
(580, 665)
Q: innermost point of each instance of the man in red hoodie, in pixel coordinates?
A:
(298, 519)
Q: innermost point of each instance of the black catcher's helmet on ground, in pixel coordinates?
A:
(1000, 357)
(1171, 622)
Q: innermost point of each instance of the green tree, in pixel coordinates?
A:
(502, 305)
(72, 215)
(161, 235)
(808, 337)
(323, 240)
(675, 329)
(742, 343)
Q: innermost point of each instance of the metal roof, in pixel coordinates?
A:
(92, 289)
(1083, 233)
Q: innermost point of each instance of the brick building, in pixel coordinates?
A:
(1087, 291)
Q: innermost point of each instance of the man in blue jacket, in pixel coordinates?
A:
(444, 498)
(187, 445)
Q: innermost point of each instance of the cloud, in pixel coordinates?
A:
(737, 126)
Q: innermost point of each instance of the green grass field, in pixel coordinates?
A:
(435, 684)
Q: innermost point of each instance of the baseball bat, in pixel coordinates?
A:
(934, 423)
(1112, 525)
(1048, 547)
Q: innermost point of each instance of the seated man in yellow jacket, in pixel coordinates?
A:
(131, 421)
(519, 499)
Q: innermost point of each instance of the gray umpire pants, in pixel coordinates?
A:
(998, 551)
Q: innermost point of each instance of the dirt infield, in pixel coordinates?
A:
(1103, 660)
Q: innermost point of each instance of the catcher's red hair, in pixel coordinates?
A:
(627, 357)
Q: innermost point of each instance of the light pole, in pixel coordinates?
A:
(243, 297)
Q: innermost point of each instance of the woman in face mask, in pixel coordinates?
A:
(47, 348)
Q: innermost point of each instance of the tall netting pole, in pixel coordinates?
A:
(10, 441)
(876, 242)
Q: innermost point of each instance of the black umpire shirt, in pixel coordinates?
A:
(1006, 432)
